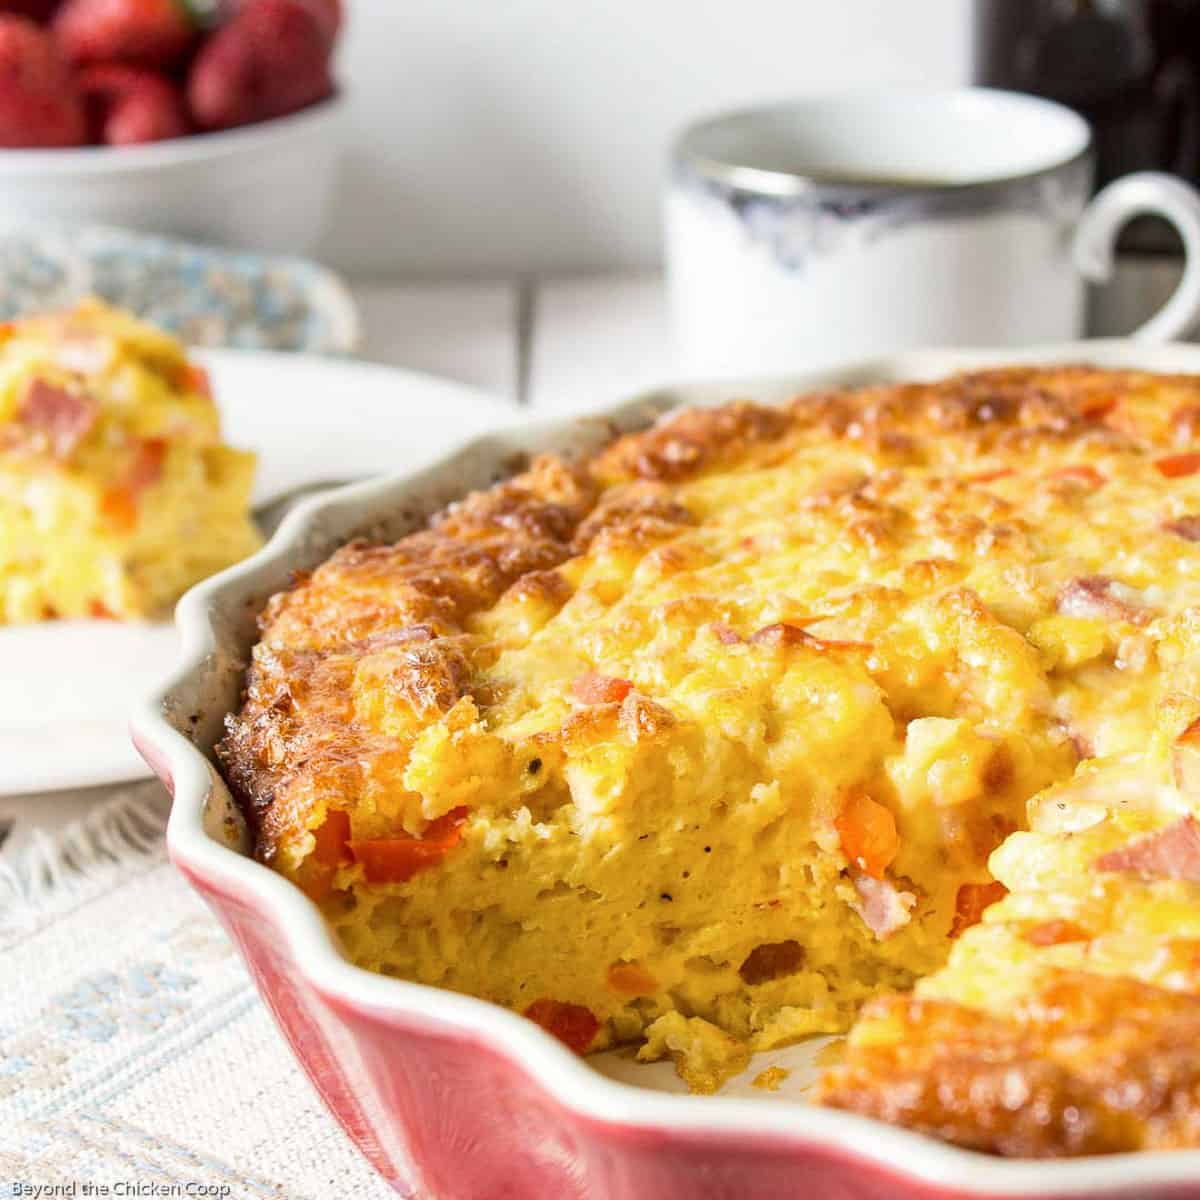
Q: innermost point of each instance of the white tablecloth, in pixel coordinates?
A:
(133, 1047)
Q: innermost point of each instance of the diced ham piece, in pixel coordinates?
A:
(781, 634)
(62, 418)
(784, 634)
(1187, 528)
(971, 901)
(1170, 853)
(1099, 598)
(1084, 746)
(883, 907)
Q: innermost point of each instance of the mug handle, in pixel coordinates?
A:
(1095, 242)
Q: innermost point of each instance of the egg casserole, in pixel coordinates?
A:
(883, 697)
(116, 493)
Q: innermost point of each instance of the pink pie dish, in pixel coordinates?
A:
(454, 1098)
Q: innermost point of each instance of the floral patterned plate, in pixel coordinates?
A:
(206, 295)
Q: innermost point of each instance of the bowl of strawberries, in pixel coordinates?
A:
(214, 120)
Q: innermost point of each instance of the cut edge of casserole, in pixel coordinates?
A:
(882, 700)
(116, 490)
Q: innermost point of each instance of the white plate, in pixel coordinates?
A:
(66, 687)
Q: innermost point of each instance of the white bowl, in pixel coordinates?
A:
(266, 186)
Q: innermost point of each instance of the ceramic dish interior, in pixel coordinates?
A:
(412, 1072)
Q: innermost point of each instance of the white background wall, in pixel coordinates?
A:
(530, 135)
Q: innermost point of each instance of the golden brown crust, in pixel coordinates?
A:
(396, 612)
(405, 602)
(640, 512)
(1088, 1065)
(422, 588)
(690, 441)
(380, 641)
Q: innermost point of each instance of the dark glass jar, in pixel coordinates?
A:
(1131, 67)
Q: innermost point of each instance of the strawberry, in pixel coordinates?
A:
(39, 104)
(35, 10)
(271, 59)
(126, 106)
(143, 33)
(328, 12)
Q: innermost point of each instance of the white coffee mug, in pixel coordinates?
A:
(866, 222)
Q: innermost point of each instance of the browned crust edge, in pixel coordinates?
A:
(1081, 1069)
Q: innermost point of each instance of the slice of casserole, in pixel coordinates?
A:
(116, 492)
(704, 741)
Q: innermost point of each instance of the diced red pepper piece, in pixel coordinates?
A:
(330, 851)
(1097, 408)
(573, 1025)
(193, 378)
(971, 901)
(593, 688)
(119, 504)
(398, 859)
(868, 833)
(118, 507)
(1175, 466)
(147, 466)
(631, 979)
(1055, 933)
(332, 838)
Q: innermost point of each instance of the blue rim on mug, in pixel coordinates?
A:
(695, 151)
(784, 207)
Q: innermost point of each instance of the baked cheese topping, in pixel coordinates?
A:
(116, 492)
(704, 741)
